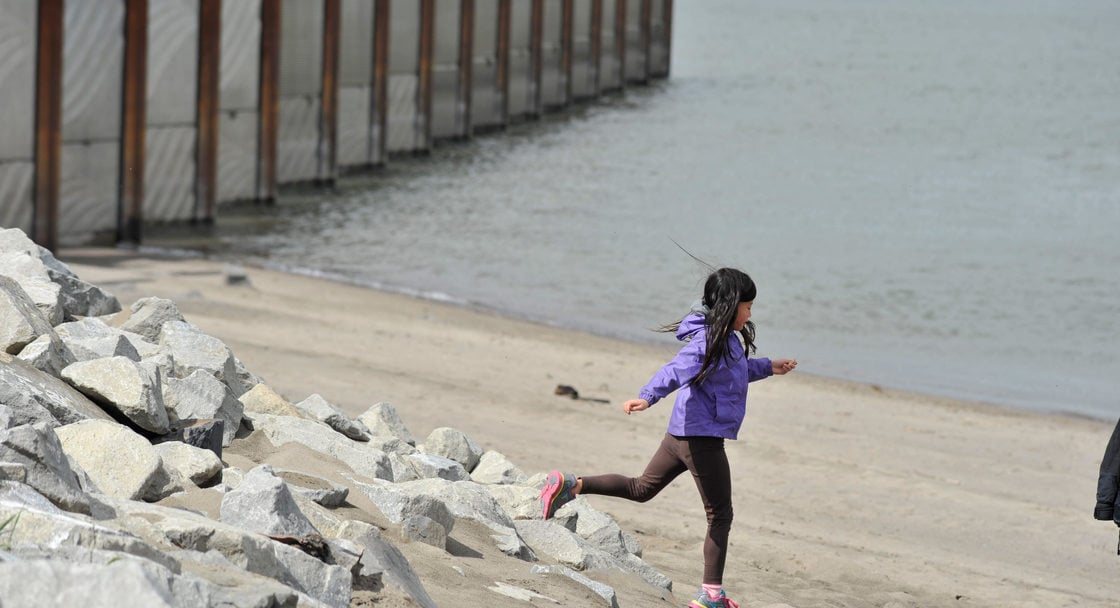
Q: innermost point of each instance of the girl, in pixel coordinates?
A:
(710, 375)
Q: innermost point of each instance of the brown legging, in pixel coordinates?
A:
(705, 459)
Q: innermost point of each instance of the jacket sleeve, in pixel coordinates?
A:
(675, 373)
(1109, 482)
(759, 368)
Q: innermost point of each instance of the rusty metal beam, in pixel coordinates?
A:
(646, 19)
(596, 45)
(48, 123)
(667, 29)
(209, 79)
(466, 61)
(620, 39)
(504, 10)
(269, 99)
(328, 108)
(567, 10)
(130, 215)
(379, 107)
(536, 57)
(424, 92)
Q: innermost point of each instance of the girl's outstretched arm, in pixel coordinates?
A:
(783, 366)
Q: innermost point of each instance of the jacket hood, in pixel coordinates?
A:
(691, 324)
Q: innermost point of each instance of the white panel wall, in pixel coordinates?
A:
(301, 76)
(92, 69)
(18, 27)
(238, 122)
(172, 115)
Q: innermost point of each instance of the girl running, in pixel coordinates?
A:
(710, 374)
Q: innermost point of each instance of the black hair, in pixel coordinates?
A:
(723, 291)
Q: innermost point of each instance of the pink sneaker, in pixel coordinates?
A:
(704, 601)
(558, 491)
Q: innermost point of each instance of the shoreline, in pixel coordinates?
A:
(844, 491)
(438, 298)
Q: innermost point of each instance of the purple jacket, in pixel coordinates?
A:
(716, 408)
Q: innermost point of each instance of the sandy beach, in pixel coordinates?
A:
(845, 495)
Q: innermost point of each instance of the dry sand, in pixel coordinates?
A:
(845, 494)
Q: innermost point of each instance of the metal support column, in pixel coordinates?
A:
(504, 9)
(269, 96)
(209, 92)
(328, 109)
(427, 50)
(466, 60)
(379, 108)
(596, 45)
(566, 32)
(536, 41)
(130, 215)
(48, 123)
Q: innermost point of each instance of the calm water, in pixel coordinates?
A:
(928, 195)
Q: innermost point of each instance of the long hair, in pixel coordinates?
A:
(723, 291)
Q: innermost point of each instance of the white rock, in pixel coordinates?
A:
(382, 420)
(453, 444)
(316, 407)
(132, 389)
(121, 463)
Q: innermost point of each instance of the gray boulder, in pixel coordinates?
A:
(261, 399)
(78, 298)
(429, 466)
(494, 468)
(34, 396)
(320, 491)
(92, 338)
(319, 437)
(201, 396)
(189, 463)
(421, 529)
(55, 584)
(176, 528)
(518, 501)
(554, 540)
(570, 549)
(19, 260)
(131, 389)
(131, 469)
(398, 504)
(148, 316)
(384, 561)
(453, 444)
(191, 350)
(604, 591)
(316, 407)
(262, 503)
(48, 354)
(382, 420)
(36, 447)
(21, 322)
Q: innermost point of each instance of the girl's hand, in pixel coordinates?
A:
(635, 405)
(783, 366)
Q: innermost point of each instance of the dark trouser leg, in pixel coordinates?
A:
(706, 459)
(663, 468)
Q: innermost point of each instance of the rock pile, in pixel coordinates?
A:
(104, 413)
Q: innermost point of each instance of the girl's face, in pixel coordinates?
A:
(743, 316)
